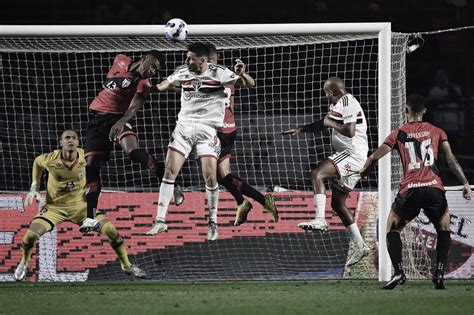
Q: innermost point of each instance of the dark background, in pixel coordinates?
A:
(450, 52)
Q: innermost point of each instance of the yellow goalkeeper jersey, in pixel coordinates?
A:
(66, 180)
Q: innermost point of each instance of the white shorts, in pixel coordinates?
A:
(196, 139)
(348, 166)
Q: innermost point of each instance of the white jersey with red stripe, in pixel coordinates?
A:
(203, 97)
(348, 110)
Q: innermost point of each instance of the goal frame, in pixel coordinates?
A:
(383, 30)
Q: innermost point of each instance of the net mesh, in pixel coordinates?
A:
(47, 84)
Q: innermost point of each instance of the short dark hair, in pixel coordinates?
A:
(212, 48)
(200, 49)
(416, 102)
(158, 55)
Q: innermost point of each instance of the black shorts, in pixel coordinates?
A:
(98, 129)
(227, 144)
(432, 200)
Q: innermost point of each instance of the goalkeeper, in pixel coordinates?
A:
(65, 201)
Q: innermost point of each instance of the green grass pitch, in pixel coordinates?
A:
(261, 297)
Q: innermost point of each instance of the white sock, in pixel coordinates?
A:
(166, 192)
(212, 195)
(320, 205)
(354, 233)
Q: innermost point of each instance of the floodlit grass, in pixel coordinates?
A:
(265, 297)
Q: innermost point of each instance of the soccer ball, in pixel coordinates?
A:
(176, 30)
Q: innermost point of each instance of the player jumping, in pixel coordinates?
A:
(349, 140)
(227, 135)
(125, 91)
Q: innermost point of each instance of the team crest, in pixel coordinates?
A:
(80, 175)
(196, 84)
(122, 64)
(126, 83)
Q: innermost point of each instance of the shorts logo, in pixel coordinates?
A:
(347, 167)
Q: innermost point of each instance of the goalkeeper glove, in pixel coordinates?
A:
(33, 193)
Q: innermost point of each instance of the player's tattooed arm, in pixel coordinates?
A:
(456, 169)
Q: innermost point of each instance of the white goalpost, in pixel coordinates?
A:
(50, 74)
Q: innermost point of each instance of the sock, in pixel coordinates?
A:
(143, 158)
(233, 187)
(93, 188)
(354, 233)
(212, 195)
(442, 249)
(320, 205)
(28, 243)
(166, 192)
(117, 243)
(251, 192)
(394, 246)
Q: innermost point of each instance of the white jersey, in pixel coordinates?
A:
(203, 97)
(348, 110)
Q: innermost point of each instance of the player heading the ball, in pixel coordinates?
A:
(203, 102)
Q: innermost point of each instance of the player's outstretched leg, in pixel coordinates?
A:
(28, 243)
(118, 245)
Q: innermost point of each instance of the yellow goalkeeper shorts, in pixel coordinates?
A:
(50, 215)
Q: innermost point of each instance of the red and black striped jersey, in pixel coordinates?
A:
(418, 144)
(119, 88)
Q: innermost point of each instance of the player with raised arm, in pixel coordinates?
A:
(126, 88)
(349, 139)
(203, 101)
(65, 201)
(227, 135)
(419, 145)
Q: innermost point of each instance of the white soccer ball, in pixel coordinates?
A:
(176, 30)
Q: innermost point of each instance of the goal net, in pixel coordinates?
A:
(48, 82)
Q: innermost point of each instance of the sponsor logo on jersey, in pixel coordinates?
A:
(416, 185)
(189, 95)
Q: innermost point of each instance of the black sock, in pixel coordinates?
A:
(93, 188)
(160, 170)
(142, 157)
(394, 246)
(251, 192)
(233, 187)
(442, 248)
